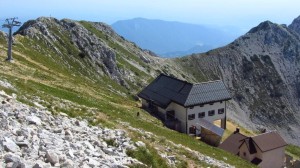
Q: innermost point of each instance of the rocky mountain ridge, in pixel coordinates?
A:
(61, 65)
(261, 69)
(108, 53)
(102, 58)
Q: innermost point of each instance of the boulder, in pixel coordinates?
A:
(4, 123)
(41, 164)
(89, 145)
(67, 164)
(140, 144)
(69, 135)
(38, 105)
(34, 120)
(17, 164)
(10, 145)
(52, 157)
(93, 163)
(23, 143)
(13, 161)
(11, 158)
(109, 151)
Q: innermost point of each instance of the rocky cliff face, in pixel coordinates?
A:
(102, 57)
(96, 47)
(85, 70)
(295, 26)
(261, 69)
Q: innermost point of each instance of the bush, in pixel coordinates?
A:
(293, 149)
(239, 97)
(147, 156)
(111, 142)
(267, 59)
(254, 58)
(247, 65)
(81, 55)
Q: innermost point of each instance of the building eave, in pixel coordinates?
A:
(198, 104)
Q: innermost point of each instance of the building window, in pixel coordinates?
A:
(211, 112)
(211, 103)
(221, 111)
(221, 102)
(192, 130)
(201, 115)
(191, 116)
(192, 107)
(244, 154)
(201, 105)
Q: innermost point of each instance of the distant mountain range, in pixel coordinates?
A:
(171, 39)
(260, 69)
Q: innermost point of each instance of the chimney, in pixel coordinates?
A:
(237, 130)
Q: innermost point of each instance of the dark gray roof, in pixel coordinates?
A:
(165, 89)
(210, 126)
(207, 92)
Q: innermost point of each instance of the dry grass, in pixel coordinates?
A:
(231, 127)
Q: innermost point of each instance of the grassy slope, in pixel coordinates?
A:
(293, 151)
(43, 73)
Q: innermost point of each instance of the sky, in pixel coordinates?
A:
(243, 14)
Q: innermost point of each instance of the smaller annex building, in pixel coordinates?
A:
(181, 104)
(210, 133)
(265, 150)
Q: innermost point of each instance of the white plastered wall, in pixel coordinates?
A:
(207, 107)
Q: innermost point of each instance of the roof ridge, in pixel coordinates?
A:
(162, 74)
(211, 81)
(208, 82)
(273, 131)
(258, 142)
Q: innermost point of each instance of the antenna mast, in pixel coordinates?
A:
(10, 23)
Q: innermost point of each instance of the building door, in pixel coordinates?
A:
(152, 107)
(192, 130)
(170, 115)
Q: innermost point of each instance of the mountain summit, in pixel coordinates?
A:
(295, 26)
(261, 68)
(89, 64)
(87, 71)
(93, 47)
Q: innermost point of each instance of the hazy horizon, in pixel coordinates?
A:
(243, 14)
